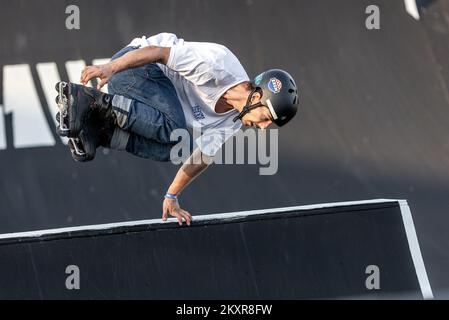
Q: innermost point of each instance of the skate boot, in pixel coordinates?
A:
(76, 103)
(97, 131)
(108, 122)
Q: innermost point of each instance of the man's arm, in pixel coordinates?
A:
(140, 57)
(191, 169)
(132, 59)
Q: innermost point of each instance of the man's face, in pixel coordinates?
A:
(258, 118)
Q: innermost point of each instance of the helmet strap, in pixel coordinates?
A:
(248, 107)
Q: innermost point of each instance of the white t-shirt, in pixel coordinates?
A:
(201, 72)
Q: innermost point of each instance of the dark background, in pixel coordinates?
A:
(374, 118)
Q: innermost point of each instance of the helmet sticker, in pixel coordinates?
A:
(275, 85)
(258, 79)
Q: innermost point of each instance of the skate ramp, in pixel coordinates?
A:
(310, 252)
(373, 122)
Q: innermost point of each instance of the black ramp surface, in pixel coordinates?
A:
(374, 120)
(306, 254)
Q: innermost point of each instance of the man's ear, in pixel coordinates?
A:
(256, 97)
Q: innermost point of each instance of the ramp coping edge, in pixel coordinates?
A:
(209, 217)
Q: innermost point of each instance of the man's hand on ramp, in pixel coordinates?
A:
(171, 207)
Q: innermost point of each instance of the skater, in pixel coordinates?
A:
(160, 84)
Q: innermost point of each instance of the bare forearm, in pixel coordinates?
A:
(132, 59)
(184, 177)
(141, 57)
(193, 167)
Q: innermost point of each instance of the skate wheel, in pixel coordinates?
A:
(62, 132)
(75, 152)
(64, 85)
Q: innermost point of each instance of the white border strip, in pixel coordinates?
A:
(412, 8)
(273, 113)
(415, 250)
(211, 217)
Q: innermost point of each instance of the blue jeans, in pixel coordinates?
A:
(147, 108)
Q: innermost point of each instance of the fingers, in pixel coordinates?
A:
(84, 75)
(165, 213)
(184, 215)
(102, 83)
(89, 76)
(172, 208)
(180, 215)
(187, 216)
(88, 73)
